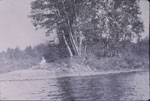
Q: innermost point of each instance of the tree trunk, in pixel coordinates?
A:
(70, 31)
(74, 44)
(85, 48)
(80, 47)
(68, 47)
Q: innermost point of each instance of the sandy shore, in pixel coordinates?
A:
(37, 74)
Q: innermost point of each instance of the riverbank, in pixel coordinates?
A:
(78, 66)
(126, 85)
(74, 67)
(38, 74)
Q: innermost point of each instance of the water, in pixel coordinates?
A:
(116, 87)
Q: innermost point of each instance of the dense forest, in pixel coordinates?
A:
(133, 54)
(95, 32)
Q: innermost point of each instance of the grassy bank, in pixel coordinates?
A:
(81, 64)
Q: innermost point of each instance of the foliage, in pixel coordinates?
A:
(84, 22)
(141, 48)
(14, 59)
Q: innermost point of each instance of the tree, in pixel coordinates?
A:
(63, 15)
(141, 48)
(123, 22)
(79, 22)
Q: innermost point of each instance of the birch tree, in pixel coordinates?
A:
(57, 14)
(79, 22)
(64, 15)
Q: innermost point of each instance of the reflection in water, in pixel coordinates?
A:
(90, 88)
(116, 87)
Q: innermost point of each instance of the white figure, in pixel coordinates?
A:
(43, 63)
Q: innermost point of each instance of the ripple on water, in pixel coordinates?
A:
(122, 86)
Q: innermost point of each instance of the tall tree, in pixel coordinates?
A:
(63, 15)
(79, 21)
(124, 22)
(56, 14)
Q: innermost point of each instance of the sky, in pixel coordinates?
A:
(16, 29)
(144, 4)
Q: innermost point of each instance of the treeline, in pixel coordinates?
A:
(29, 52)
(15, 59)
(49, 51)
(127, 48)
(141, 48)
(131, 54)
(54, 52)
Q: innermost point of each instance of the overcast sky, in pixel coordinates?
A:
(17, 30)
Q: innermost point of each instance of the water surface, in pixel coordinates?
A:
(118, 87)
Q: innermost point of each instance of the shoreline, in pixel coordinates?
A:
(42, 74)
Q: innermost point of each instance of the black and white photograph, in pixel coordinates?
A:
(74, 50)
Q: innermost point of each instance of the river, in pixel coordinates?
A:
(116, 87)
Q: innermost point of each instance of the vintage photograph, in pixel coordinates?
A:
(74, 50)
